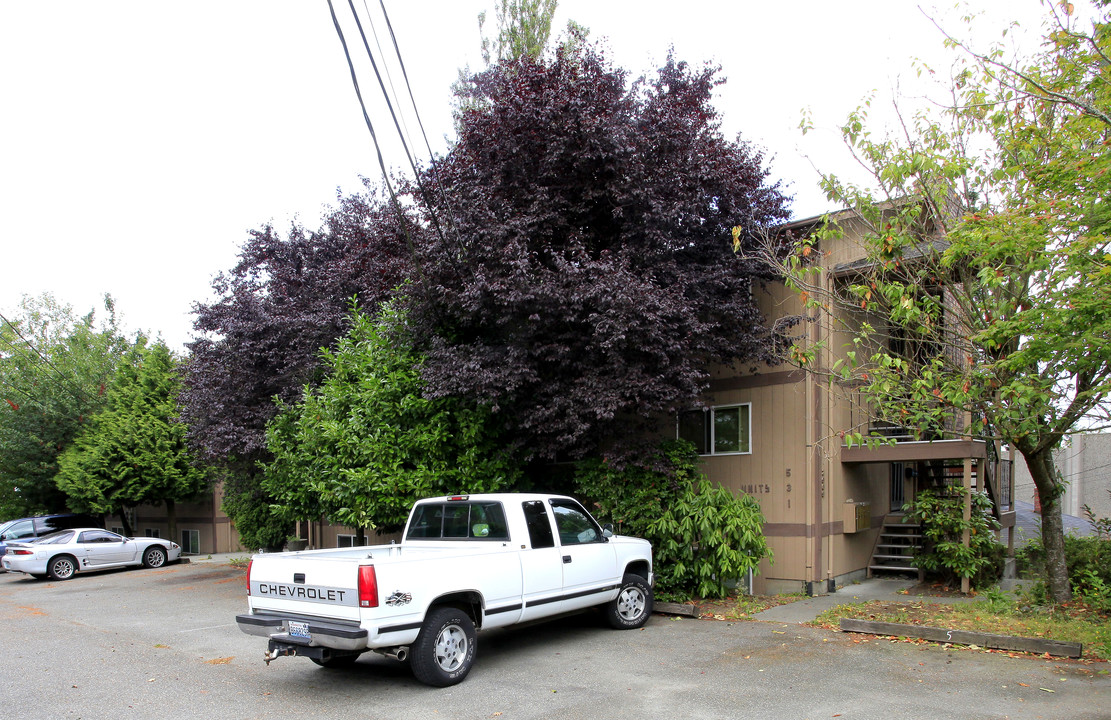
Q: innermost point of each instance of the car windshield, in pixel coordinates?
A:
(57, 538)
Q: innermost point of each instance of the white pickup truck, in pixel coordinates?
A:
(466, 562)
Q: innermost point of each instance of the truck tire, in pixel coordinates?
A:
(633, 604)
(445, 647)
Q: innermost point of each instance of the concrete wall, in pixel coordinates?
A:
(1085, 464)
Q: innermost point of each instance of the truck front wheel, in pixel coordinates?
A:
(633, 604)
(445, 647)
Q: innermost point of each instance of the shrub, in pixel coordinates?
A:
(1089, 563)
(703, 536)
(940, 512)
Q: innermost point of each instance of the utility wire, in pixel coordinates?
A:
(412, 101)
(397, 125)
(403, 131)
(373, 135)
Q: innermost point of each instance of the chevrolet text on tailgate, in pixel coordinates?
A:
(466, 562)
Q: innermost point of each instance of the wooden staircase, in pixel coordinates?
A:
(896, 548)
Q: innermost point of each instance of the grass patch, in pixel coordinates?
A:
(738, 606)
(995, 613)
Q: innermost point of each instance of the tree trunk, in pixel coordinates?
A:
(171, 519)
(128, 531)
(1044, 473)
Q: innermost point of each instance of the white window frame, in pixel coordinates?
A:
(341, 537)
(710, 416)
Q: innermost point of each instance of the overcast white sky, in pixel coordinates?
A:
(140, 141)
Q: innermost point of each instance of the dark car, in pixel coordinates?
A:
(26, 529)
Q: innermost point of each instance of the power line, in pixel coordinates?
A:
(397, 126)
(373, 134)
(413, 102)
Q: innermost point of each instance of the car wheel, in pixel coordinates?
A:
(337, 660)
(445, 647)
(62, 567)
(154, 557)
(633, 604)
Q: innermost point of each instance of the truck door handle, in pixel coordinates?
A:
(566, 559)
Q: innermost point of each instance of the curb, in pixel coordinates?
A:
(1038, 646)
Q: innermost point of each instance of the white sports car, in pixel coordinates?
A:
(62, 554)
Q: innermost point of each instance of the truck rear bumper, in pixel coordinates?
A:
(337, 636)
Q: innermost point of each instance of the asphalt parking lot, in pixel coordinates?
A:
(163, 644)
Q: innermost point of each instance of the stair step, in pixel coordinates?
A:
(893, 568)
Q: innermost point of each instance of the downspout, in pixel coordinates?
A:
(827, 477)
(813, 485)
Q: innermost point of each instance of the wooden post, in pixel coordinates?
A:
(966, 537)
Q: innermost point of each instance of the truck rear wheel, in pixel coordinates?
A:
(633, 604)
(445, 647)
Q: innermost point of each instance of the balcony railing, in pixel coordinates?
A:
(865, 421)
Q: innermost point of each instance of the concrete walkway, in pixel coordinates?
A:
(218, 558)
(887, 589)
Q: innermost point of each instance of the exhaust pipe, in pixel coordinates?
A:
(401, 654)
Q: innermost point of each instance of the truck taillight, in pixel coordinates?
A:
(368, 587)
(249, 563)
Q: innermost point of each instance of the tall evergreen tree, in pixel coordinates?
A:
(134, 452)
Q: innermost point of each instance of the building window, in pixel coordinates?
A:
(116, 529)
(722, 430)
(153, 532)
(191, 542)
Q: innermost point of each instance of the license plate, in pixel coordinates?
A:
(298, 629)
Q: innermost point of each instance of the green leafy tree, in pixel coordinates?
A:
(365, 444)
(54, 369)
(524, 29)
(985, 308)
(134, 451)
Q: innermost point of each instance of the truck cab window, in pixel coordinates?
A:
(574, 524)
(539, 527)
(458, 521)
